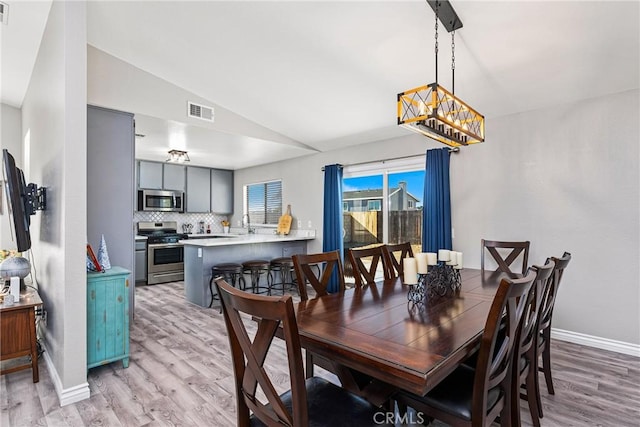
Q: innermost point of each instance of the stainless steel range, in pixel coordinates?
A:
(165, 256)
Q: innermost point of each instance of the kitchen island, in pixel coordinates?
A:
(200, 254)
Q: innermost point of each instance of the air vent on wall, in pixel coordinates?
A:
(4, 13)
(200, 111)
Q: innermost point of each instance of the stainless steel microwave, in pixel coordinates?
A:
(160, 201)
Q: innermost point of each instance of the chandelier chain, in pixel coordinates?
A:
(453, 61)
(436, 42)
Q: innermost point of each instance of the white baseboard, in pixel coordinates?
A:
(597, 342)
(65, 396)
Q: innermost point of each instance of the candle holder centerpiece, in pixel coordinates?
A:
(431, 276)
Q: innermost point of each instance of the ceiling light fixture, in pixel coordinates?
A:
(178, 156)
(433, 111)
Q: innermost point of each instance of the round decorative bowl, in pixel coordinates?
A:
(15, 266)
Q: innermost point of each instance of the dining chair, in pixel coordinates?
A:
(393, 255)
(525, 360)
(548, 302)
(365, 264)
(319, 279)
(504, 262)
(317, 270)
(311, 402)
(477, 397)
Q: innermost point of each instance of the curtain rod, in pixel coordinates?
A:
(451, 150)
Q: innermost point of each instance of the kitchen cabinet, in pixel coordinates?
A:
(150, 175)
(198, 189)
(173, 177)
(206, 190)
(107, 317)
(221, 191)
(141, 260)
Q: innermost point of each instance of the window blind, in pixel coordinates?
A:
(264, 202)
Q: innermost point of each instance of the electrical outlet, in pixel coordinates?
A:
(299, 224)
(309, 224)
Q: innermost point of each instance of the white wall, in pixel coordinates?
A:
(11, 139)
(565, 177)
(119, 85)
(54, 114)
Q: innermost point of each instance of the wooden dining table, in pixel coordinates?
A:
(374, 330)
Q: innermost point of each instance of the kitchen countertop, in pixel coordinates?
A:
(222, 239)
(140, 238)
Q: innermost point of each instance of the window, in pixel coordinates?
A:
(263, 202)
(345, 206)
(387, 205)
(374, 205)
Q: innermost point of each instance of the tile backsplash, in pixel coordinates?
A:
(183, 218)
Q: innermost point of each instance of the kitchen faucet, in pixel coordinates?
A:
(249, 229)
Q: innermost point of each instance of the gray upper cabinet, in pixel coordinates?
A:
(150, 175)
(221, 191)
(198, 189)
(206, 190)
(174, 177)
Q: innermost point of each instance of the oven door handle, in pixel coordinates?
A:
(164, 245)
(169, 273)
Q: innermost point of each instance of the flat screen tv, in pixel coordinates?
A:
(18, 202)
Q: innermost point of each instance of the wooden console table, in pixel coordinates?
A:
(18, 332)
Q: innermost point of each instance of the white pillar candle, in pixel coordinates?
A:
(432, 258)
(410, 270)
(453, 258)
(421, 260)
(459, 265)
(443, 255)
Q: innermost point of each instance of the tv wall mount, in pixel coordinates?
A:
(36, 198)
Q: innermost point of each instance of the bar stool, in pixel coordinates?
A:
(232, 273)
(257, 268)
(283, 267)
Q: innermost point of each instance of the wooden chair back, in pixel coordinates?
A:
(365, 264)
(544, 327)
(393, 255)
(327, 263)
(525, 357)
(504, 262)
(495, 356)
(551, 290)
(249, 355)
(527, 333)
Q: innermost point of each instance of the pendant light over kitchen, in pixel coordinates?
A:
(178, 156)
(432, 110)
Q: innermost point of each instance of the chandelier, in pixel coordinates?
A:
(178, 156)
(432, 110)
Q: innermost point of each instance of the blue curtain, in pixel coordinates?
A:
(332, 219)
(436, 216)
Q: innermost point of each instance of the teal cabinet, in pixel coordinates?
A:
(108, 317)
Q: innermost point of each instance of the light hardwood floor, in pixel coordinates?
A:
(180, 373)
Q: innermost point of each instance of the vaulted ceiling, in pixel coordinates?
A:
(326, 74)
